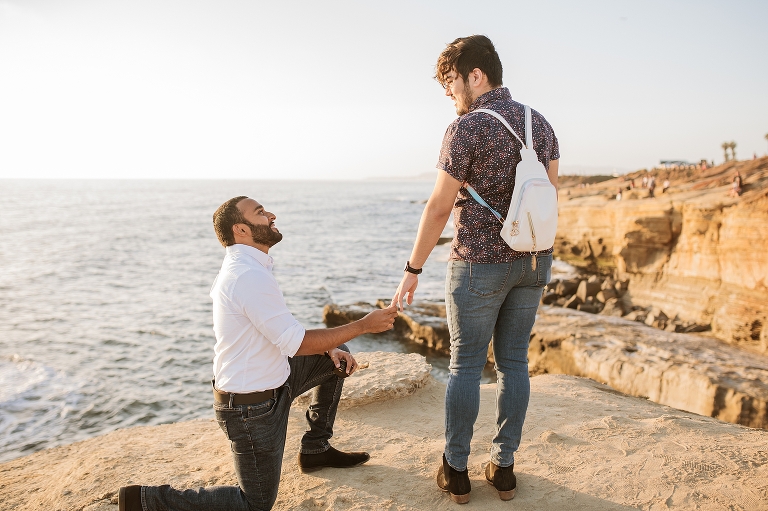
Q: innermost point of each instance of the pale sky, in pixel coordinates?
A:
(344, 89)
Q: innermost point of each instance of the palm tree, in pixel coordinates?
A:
(733, 150)
(725, 147)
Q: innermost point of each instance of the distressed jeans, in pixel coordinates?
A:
(257, 438)
(484, 303)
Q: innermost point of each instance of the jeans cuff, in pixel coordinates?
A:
(501, 464)
(452, 465)
(324, 447)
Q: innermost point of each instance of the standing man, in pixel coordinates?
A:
(263, 359)
(491, 291)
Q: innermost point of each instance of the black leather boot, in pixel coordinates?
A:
(129, 498)
(454, 482)
(503, 479)
(331, 458)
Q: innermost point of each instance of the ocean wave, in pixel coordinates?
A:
(35, 404)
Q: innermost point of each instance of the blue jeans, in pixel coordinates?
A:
(487, 302)
(257, 438)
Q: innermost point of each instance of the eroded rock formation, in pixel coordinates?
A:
(695, 252)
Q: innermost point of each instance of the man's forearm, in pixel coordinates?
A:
(320, 340)
(431, 226)
(552, 171)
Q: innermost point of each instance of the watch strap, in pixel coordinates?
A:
(411, 269)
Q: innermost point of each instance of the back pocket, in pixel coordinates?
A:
(543, 270)
(488, 279)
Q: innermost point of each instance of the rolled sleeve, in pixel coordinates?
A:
(555, 153)
(284, 332)
(269, 313)
(456, 151)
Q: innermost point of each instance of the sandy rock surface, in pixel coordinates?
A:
(584, 447)
(381, 376)
(692, 372)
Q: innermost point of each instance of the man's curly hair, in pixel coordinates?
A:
(467, 53)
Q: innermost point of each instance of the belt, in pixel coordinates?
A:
(251, 398)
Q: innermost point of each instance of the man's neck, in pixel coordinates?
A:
(479, 91)
(250, 243)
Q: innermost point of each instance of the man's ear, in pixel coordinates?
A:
(239, 230)
(476, 77)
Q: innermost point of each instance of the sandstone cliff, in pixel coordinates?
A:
(693, 251)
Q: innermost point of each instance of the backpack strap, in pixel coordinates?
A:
(506, 124)
(529, 139)
(528, 128)
(479, 199)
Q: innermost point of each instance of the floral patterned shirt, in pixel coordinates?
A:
(477, 149)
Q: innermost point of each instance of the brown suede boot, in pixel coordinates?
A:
(503, 479)
(454, 482)
(129, 498)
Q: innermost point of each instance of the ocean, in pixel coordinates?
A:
(105, 317)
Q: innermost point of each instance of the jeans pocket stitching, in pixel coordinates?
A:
(497, 291)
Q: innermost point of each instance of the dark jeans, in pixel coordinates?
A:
(257, 437)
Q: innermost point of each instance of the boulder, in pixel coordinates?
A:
(335, 315)
(549, 298)
(656, 317)
(423, 322)
(381, 376)
(566, 287)
(605, 294)
(587, 289)
(613, 308)
(573, 302)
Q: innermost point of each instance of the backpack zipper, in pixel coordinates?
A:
(533, 232)
(516, 223)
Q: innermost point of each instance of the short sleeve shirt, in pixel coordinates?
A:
(478, 150)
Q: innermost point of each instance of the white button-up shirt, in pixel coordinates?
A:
(255, 331)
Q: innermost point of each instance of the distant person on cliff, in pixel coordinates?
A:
(651, 187)
(735, 185)
(665, 186)
(263, 359)
(492, 292)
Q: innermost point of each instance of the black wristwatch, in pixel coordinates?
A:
(409, 269)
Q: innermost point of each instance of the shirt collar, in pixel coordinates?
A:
(264, 259)
(489, 97)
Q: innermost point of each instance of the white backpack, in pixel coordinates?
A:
(531, 222)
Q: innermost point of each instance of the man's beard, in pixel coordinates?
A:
(264, 235)
(465, 101)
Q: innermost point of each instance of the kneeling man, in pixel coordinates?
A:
(263, 359)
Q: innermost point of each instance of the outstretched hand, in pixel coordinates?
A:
(380, 320)
(406, 289)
